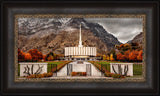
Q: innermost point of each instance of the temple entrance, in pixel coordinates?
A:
(79, 68)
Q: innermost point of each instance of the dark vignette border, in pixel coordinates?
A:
(148, 87)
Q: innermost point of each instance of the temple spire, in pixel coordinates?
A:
(80, 38)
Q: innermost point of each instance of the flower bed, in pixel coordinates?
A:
(108, 74)
(40, 75)
(78, 74)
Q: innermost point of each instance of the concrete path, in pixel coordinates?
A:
(79, 68)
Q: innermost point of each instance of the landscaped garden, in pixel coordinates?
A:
(104, 66)
(52, 66)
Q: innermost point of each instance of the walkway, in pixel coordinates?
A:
(81, 68)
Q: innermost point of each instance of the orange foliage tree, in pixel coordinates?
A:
(28, 56)
(20, 55)
(126, 54)
(44, 57)
(36, 55)
(50, 58)
(121, 57)
(133, 55)
(111, 57)
(139, 57)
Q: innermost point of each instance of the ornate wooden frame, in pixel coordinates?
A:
(9, 9)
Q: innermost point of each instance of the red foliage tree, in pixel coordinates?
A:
(44, 57)
(126, 54)
(139, 57)
(121, 45)
(20, 55)
(133, 55)
(28, 56)
(36, 55)
(120, 57)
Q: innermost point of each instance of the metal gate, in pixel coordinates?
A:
(69, 69)
(88, 69)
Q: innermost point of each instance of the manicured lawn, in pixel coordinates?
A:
(53, 64)
(137, 68)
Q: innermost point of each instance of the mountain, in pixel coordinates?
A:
(138, 38)
(53, 34)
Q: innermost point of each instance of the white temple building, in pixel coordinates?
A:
(80, 52)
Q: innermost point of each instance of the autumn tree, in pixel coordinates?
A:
(113, 53)
(55, 56)
(20, 55)
(126, 54)
(44, 57)
(104, 57)
(124, 47)
(108, 57)
(36, 55)
(139, 57)
(50, 58)
(111, 57)
(121, 57)
(135, 45)
(133, 55)
(28, 56)
(97, 54)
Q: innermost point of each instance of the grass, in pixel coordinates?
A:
(137, 68)
(18, 69)
(53, 64)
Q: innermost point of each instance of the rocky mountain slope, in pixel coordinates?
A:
(138, 38)
(53, 34)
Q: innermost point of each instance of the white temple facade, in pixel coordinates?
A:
(80, 52)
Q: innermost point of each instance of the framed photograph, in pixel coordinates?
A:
(80, 46)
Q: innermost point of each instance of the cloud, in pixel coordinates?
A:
(124, 29)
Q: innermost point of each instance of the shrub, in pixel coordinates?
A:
(116, 76)
(78, 74)
(50, 74)
(107, 74)
(40, 75)
(84, 73)
(73, 73)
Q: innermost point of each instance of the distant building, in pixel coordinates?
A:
(80, 52)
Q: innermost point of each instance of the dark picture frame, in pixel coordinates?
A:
(11, 8)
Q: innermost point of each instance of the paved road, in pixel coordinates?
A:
(79, 68)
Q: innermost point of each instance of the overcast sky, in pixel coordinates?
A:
(124, 29)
